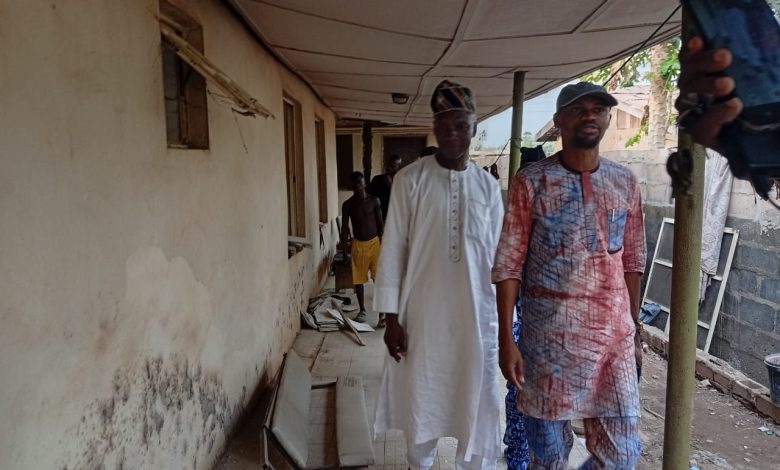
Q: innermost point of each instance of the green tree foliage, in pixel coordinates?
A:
(637, 69)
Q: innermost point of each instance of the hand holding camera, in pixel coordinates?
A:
(730, 86)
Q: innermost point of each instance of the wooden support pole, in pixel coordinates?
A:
(686, 271)
(367, 147)
(516, 141)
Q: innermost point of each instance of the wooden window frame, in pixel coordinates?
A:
(193, 128)
(342, 173)
(294, 165)
(322, 169)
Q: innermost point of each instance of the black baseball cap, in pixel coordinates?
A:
(571, 93)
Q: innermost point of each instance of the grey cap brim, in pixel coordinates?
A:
(606, 97)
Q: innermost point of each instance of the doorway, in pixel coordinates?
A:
(409, 148)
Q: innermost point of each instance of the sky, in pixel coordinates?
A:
(536, 113)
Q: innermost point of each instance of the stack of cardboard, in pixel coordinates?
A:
(317, 315)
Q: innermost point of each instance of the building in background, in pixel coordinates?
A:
(625, 126)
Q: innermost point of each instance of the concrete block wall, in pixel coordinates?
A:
(748, 328)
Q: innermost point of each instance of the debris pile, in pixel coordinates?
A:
(328, 312)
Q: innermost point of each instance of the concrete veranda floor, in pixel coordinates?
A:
(725, 433)
(330, 355)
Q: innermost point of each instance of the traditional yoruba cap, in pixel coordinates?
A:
(571, 93)
(449, 96)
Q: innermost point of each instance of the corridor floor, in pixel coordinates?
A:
(725, 434)
(335, 354)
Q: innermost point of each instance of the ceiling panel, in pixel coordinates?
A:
(288, 29)
(548, 50)
(316, 62)
(446, 71)
(624, 13)
(403, 16)
(561, 71)
(348, 94)
(510, 18)
(355, 53)
(375, 83)
(397, 113)
(378, 105)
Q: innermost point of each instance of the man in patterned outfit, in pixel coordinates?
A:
(574, 236)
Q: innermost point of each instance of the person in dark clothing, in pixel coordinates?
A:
(430, 150)
(494, 171)
(380, 184)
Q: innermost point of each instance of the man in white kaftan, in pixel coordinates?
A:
(441, 233)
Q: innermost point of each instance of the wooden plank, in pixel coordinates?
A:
(290, 419)
(353, 435)
(352, 328)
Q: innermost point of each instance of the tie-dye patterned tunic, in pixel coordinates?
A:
(569, 238)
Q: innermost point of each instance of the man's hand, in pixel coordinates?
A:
(511, 362)
(395, 337)
(697, 83)
(638, 352)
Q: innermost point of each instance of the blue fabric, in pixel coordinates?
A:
(613, 443)
(516, 454)
(648, 312)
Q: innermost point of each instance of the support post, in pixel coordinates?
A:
(686, 261)
(367, 146)
(516, 141)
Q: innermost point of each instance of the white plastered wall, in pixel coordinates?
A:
(145, 292)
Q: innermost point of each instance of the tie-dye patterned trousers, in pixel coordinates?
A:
(613, 443)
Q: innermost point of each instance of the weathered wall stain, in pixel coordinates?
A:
(156, 406)
(146, 366)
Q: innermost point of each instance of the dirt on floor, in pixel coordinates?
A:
(725, 436)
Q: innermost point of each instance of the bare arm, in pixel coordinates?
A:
(507, 272)
(511, 361)
(345, 223)
(393, 261)
(395, 337)
(380, 223)
(632, 283)
(506, 296)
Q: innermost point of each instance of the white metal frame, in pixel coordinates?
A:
(710, 327)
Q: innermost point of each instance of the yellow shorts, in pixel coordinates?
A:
(365, 256)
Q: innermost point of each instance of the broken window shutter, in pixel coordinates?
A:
(246, 104)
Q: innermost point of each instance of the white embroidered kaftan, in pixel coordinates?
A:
(434, 271)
